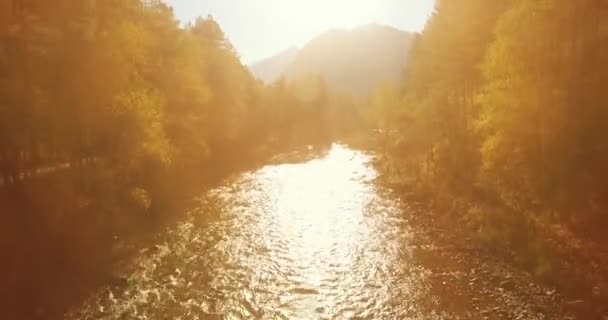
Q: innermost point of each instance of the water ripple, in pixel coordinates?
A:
(317, 240)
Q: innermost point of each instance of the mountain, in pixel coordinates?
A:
(270, 69)
(353, 61)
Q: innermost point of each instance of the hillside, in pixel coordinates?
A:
(352, 61)
(270, 69)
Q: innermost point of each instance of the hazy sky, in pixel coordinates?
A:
(262, 28)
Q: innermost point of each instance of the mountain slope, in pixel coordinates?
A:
(270, 69)
(354, 61)
(351, 61)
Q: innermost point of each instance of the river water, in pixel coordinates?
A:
(313, 240)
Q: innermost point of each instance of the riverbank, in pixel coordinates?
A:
(574, 269)
(476, 282)
(63, 236)
(570, 284)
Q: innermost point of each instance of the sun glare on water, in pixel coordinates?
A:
(324, 224)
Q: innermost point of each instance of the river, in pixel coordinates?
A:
(313, 240)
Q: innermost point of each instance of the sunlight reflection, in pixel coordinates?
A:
(312, 200)
(311, 240)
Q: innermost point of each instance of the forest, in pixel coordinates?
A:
(501, 123)
(112, 115)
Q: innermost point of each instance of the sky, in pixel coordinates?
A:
(262, 28)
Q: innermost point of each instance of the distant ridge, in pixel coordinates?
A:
(352, 61)
(270, 69)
